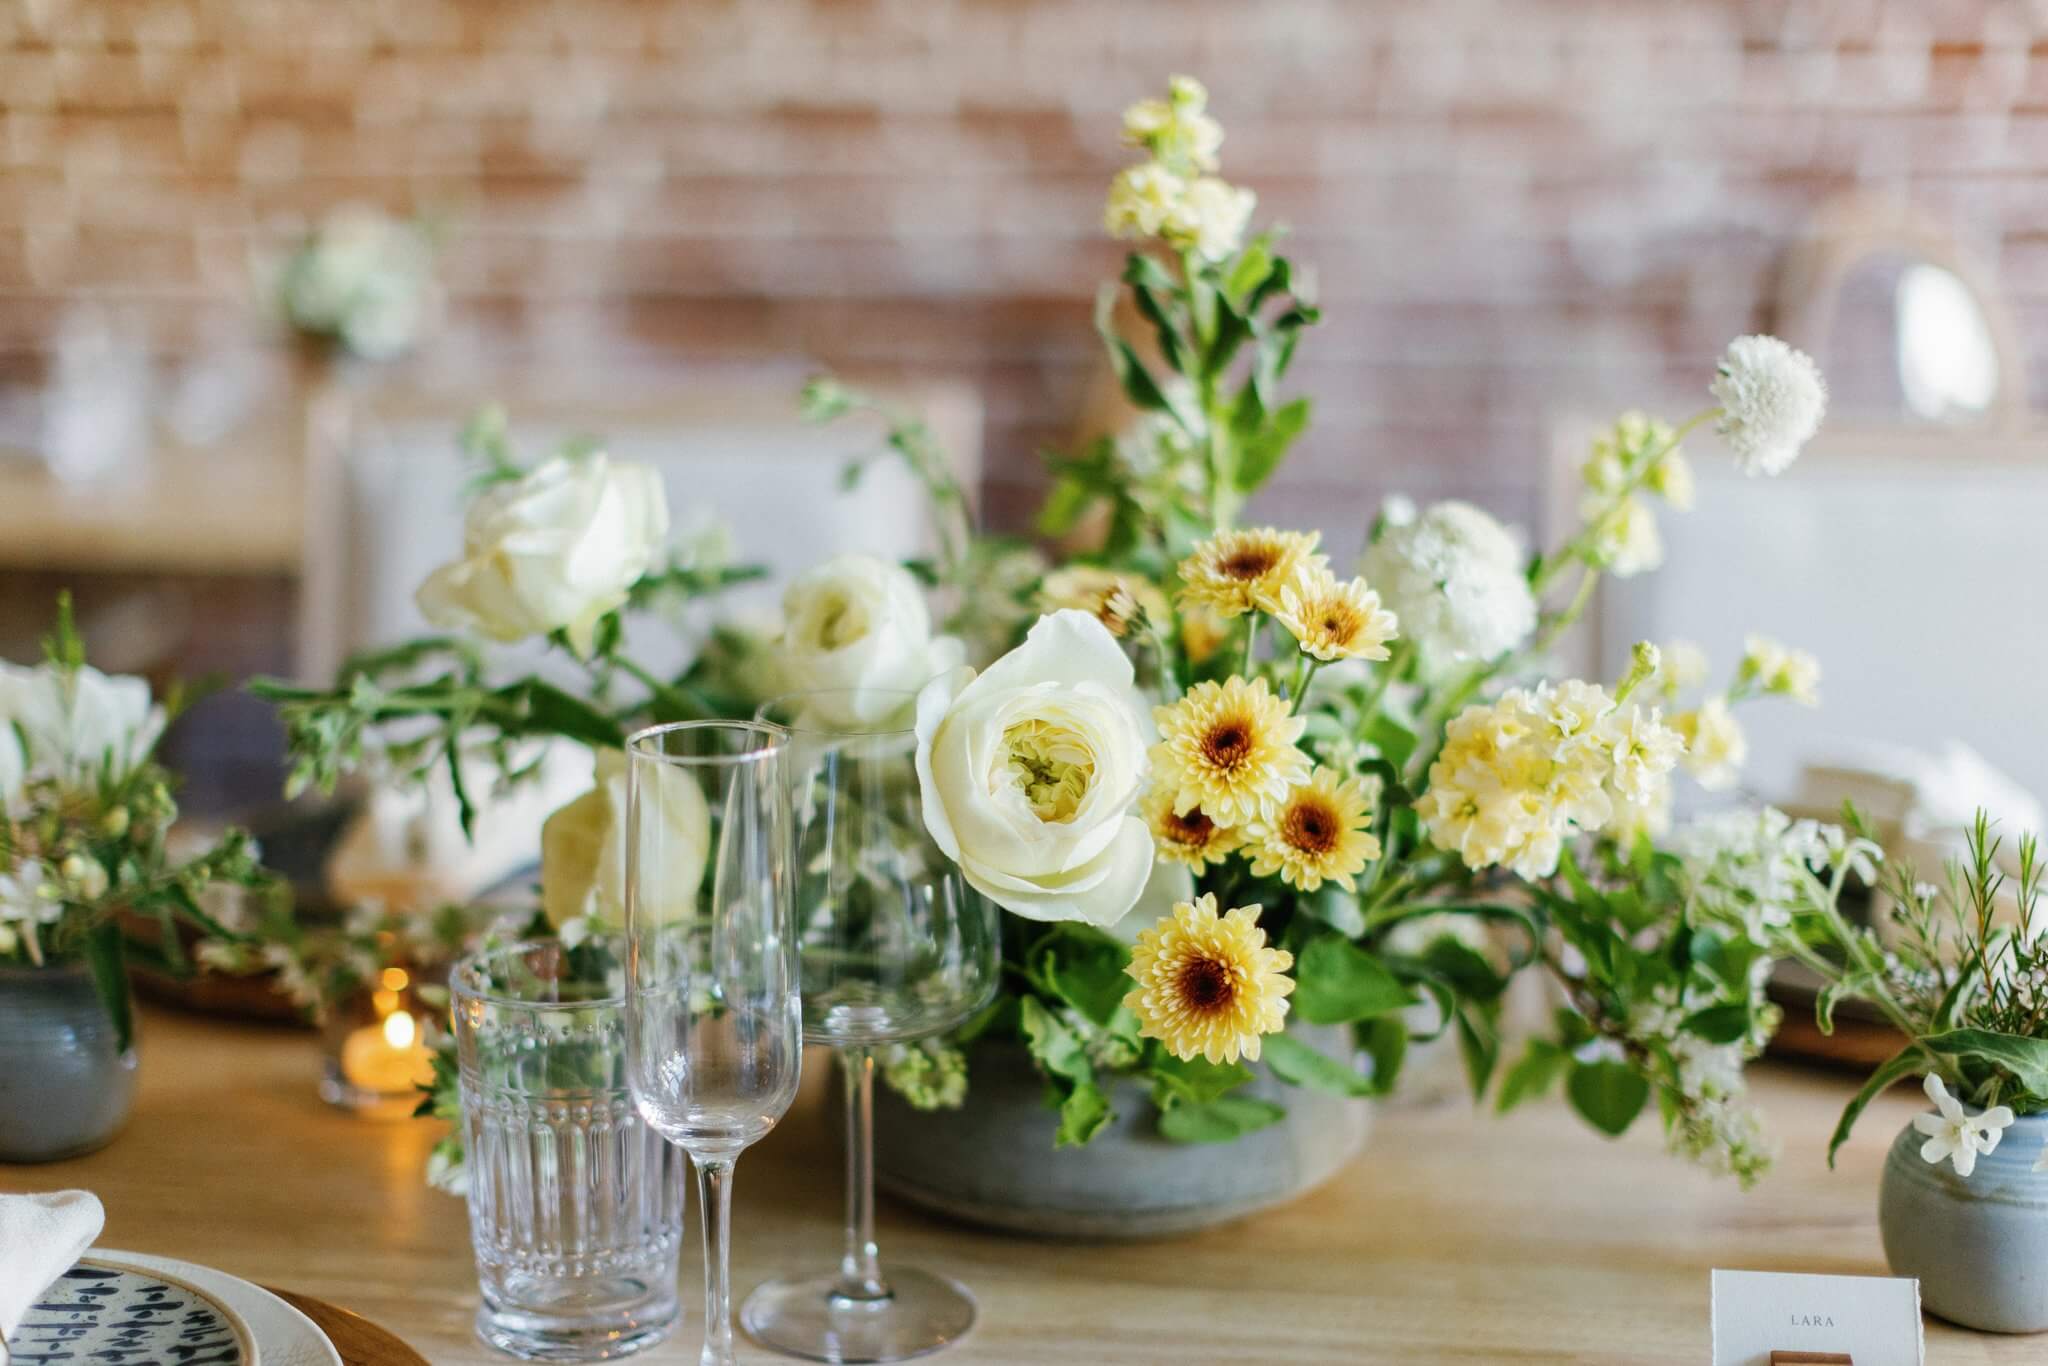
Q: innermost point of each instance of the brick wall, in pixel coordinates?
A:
(1515, 206)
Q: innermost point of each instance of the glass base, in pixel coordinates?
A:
(810, 1319)
(568, 1335)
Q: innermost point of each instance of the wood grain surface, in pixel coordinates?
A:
(1456, 1237)
(359, 1341)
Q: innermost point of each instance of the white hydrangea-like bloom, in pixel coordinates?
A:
(1211, 217)
(1142, 200)
(1754, 867)
(1453, 575)
(1715, 746)
(1772, 399)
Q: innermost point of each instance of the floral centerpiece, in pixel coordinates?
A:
(89, 882)
(1221, 787)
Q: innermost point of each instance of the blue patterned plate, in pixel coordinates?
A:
(100, 1314)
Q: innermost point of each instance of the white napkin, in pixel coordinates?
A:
(41, 1238)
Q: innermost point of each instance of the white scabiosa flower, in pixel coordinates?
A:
(1453, 575)
(1772, 399)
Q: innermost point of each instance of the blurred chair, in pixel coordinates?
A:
(1907, 548)
(385, 480)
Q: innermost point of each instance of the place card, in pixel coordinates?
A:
(1769, 1318)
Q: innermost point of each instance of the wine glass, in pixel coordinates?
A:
(714, 1019)
(896, 947)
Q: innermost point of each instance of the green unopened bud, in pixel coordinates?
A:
(84, 874)
(1644, 662)
(115, 823)
(825, 399)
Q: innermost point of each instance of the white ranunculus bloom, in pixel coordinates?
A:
(1029, 772)
(1453, 575)
(1772, 399)
(555, 549)
(78, 723)
(583, 845)
(858, 627)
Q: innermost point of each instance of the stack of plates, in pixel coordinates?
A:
(142, 1311)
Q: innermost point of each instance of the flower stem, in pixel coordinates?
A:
(1251, 642)
(1388, 672)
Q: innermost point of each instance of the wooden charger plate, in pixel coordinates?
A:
(359, 1341)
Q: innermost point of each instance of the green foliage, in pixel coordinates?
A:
(1299, 1064)
(1337, 982)
(1607, 1094)
(1222, 1120)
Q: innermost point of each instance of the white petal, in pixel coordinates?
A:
(1965, 1160)
(1936, 1148)
(1930, 1124)
(1997, 1117)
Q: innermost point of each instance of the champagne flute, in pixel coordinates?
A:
(714, 1018)
(896, 947)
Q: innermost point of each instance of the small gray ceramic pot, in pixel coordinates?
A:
(66, 1085)
(1978, 1246)
(993, 1162)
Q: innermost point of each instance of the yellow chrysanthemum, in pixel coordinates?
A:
(1236, 571)
(1188, 838)
(1116, 600)
(1207, 984)
(1335, 619)
(1320, 833)
(1228, 748)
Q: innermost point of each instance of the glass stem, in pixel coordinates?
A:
(714, 1207)
(860, 1270)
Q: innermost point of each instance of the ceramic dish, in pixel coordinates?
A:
(108, 1309)
(284, 1336)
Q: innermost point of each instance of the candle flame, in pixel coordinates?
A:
(399, 1030)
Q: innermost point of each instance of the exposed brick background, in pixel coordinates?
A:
(1516, 207)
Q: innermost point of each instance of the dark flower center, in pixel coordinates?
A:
(1193, 829)
(1253, 563)
(1205, 985)
(1311, 827)
(1227, 745)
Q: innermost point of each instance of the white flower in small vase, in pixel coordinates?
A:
(552, 550)
(77, 723)
(1956, 1135)
(1772, 399)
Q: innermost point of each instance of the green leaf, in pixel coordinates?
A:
(2025, 1058)
(1391, 738)
(1192, 1081)
(1467, 970)
(1082, 1115)
(1058, 1050)
(1608, 1094)
(1385, 1040)
(1903, 1063)
(1337, 982)
(1297, 1064)
(1085, 968)
(110, 979)
(1137, 381)
(1336, 908)
(1720, 1024)
(1263, 453)
(1064, 506)
(1479, 1042)
(1248, 272)
(1541, 1065)
(1220, 1121)
(551, 711)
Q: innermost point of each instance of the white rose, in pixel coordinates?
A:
(555, 549)
(583, 845)
(77, 724)
(1029, 772)
(859, 626)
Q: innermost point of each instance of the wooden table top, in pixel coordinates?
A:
(1456, 1237)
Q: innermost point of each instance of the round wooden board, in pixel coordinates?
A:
(359, 1341)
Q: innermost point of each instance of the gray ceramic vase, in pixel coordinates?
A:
(1978, 1246)
(66, 1085)
(993, 1162)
